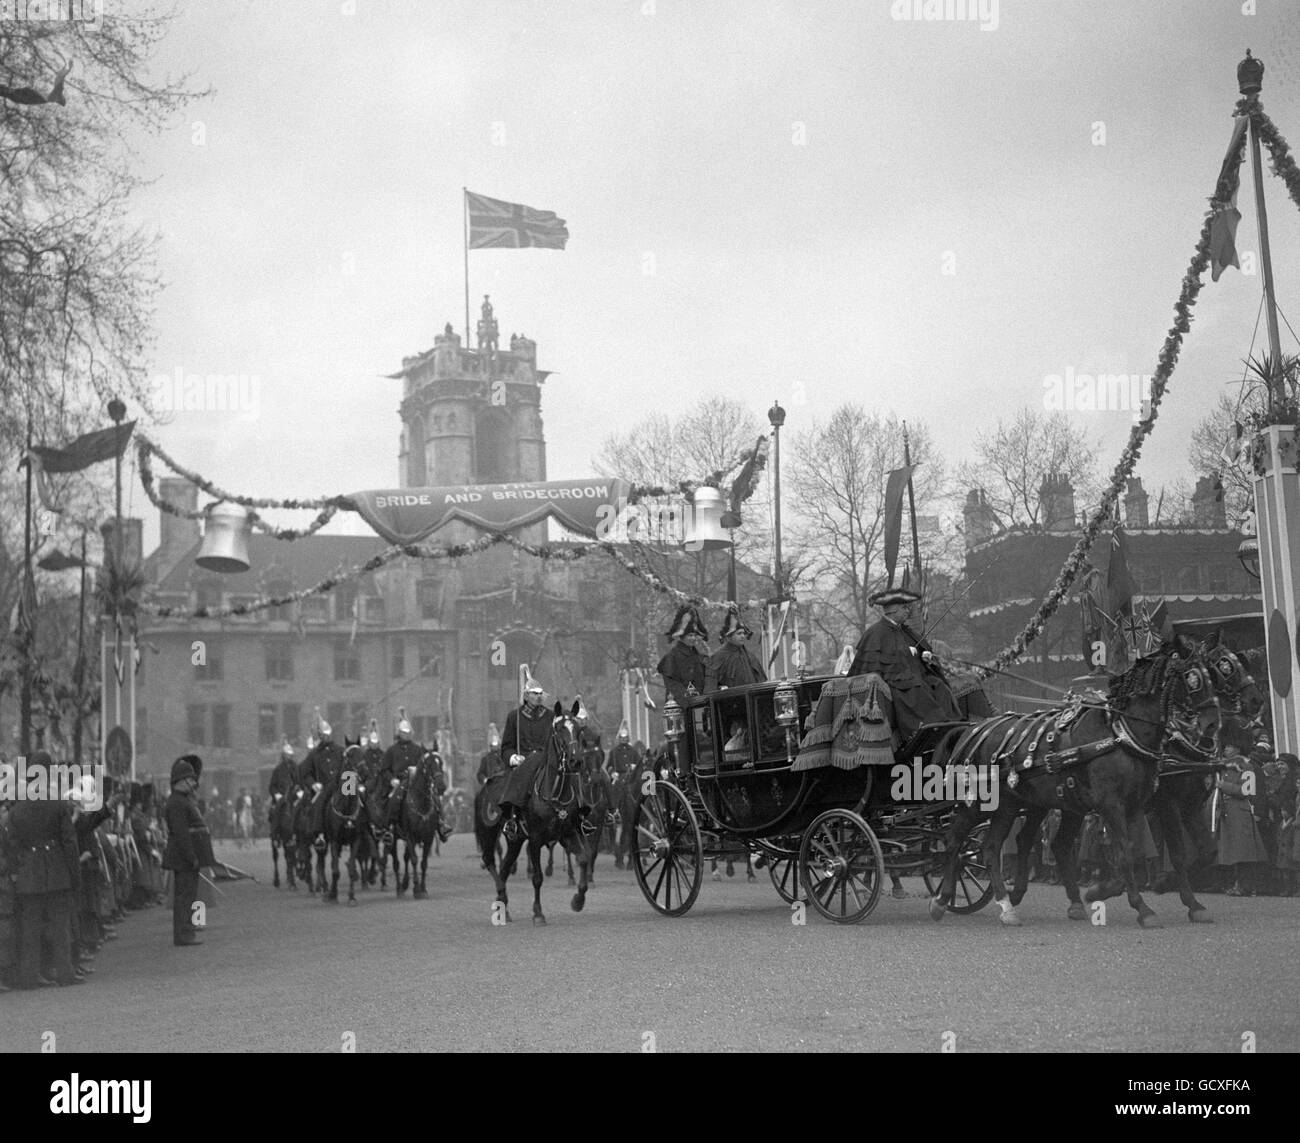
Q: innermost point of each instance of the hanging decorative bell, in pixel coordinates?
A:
(704, 530)
(225, 539)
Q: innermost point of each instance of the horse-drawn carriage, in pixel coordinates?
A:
(829, 826)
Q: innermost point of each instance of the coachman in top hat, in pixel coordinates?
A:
(684, 667)
(891, 649)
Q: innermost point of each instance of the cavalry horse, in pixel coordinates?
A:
(346, 824)
(418, 822)
(553, 811)
(1099, 757)
(303, 836)
(280, 828)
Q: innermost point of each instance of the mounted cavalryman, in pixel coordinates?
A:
(318, 774)
(683, 668)
(623, 758)
(527, 730)
(890, 648)
(400, 760)
(373, 756)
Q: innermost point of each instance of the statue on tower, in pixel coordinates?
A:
(487, 328)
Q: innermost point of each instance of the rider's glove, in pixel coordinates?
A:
(515, 759)
(927, 656)
(315, 787)
(392, 783)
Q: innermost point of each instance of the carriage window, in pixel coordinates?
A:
(733, 723)
(705, 757)
(771, 734)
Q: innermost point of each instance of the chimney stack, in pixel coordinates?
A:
(178, 536)
(132, 540)
(1056, 503)
(981, 523)
(1208, 509)
(1135, 504)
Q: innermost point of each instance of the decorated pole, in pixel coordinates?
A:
(1276, 485)
(776, 418)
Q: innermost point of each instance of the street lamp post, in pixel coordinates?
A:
(776, 418)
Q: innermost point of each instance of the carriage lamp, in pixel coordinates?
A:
(674, 721)
(1248, 554)
(785, 703)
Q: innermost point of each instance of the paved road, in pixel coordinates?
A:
(285, 972)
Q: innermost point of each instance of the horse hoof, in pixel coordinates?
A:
(352, 900)
(717, 876)
(420, 895)
(1149, 921)
(1200, 916)
(577, 903)
(937, 909)
(539, 919)
(1011, 919)
(1076, 911)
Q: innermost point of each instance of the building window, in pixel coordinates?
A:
(345, 602)
(210, 669)
(279, 661)
(141, 729)
(415, 463)
(196, 719)
(283, 612)
(266, 726)
(430, 659)
(335, 714)
(494, 448)
(358, 723)
(426, 728)
(291, 715)
(399, 659)
(315, 609)
(375, 611)
(429, 598)
(347, 661)
(207, 595)
(221, 725)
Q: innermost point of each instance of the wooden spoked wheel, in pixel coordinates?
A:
(974, 888)
(782, 859)
(841, 866)
(667, 850)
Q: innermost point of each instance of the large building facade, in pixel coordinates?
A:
(443, 639)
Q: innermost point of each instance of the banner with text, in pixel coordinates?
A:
(407, 515)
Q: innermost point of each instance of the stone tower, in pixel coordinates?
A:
(472, 416)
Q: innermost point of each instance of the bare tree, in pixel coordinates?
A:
(1012, 459)
(837, 472)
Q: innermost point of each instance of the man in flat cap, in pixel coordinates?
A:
(891, 649)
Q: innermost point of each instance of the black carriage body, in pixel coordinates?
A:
(739, 760)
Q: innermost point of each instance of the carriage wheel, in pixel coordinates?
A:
(667, 850)
(974, 888)
(783, 868)
(841, 866)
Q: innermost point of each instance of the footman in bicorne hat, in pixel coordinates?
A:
(891, 649)
(733, 664)
(683, 668)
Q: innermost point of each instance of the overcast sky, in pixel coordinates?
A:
(805, 200)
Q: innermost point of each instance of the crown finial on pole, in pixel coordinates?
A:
(1250, 75)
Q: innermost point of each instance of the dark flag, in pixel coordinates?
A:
(1119, 584)
(746, 482)
(1094, 623)
(894, 489)
(105, 444)
(56, 561)
(512, 225)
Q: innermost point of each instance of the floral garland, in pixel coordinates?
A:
(1280, 161)
(688, 488)
(1191, 288)
(155, 498)
(432, 552)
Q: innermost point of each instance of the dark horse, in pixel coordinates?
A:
(303, 836)
(346, 824)
(1184, 784)
(418, 822)
(553, 811)
(280, 827)
(1100, 757)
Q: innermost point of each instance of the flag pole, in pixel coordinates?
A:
(27, 597)
(911, 508)
(464, 221)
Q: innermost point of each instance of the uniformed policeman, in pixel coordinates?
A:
(183, 854)
(623, 758)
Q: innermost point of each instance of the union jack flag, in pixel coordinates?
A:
(512, 225)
